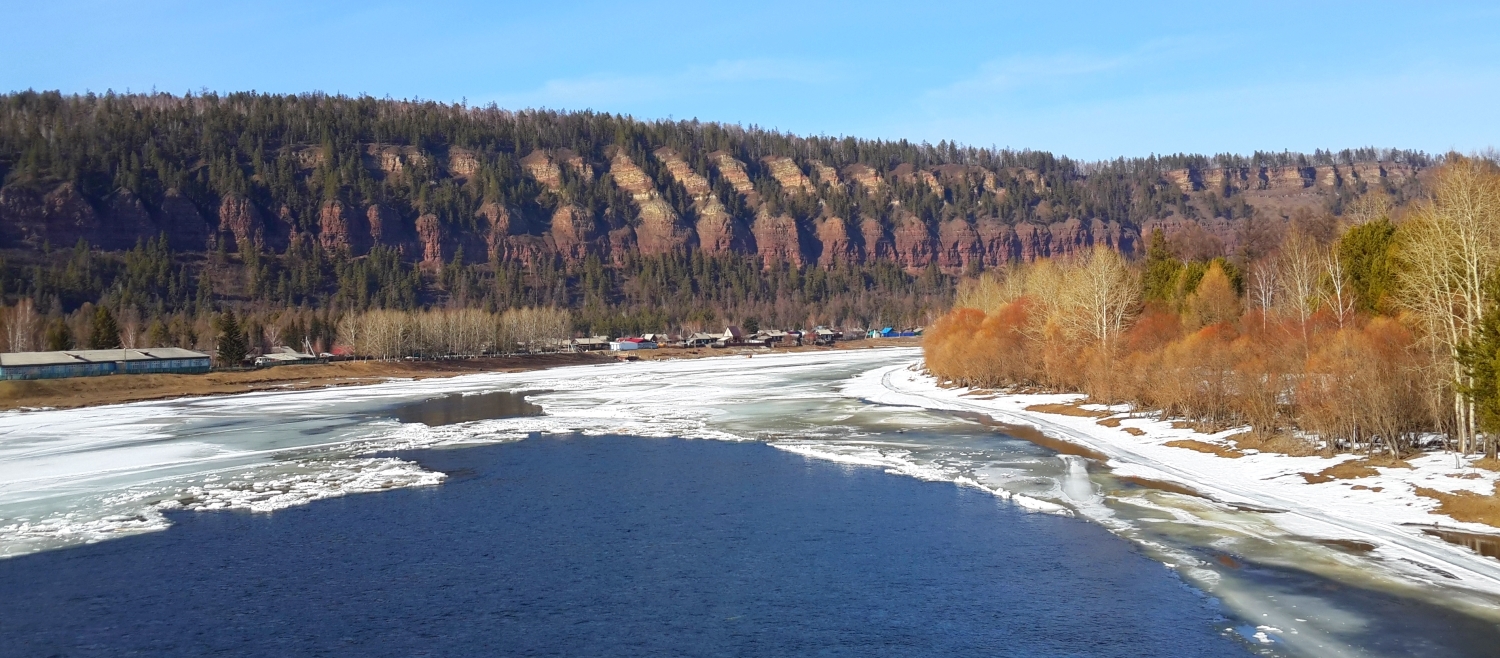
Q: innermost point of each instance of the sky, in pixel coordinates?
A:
(1087, 80)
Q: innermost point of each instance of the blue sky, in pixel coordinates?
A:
(1081, 79)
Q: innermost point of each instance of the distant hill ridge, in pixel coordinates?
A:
(429, 181)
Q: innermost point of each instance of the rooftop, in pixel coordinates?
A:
(14, 359)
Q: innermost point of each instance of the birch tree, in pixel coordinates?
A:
(1101, 294)
(1451, 244)
(21, 326)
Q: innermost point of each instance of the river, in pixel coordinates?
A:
(111, 505)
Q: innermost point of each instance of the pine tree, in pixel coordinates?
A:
(1159, 281)
(231, 340)
(58, 336)
(106, 331)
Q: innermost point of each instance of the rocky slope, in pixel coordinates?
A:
(811, 223)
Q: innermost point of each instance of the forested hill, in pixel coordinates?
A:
(326, 201)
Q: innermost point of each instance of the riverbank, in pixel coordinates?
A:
(78, 392)
(712, 547)
(1400, 512)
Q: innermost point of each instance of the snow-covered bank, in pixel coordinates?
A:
(1384, 511)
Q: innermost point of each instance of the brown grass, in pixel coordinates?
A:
(1467, 506)
(1354, 469)
(1488, 464)
(115, 389)
(1032, 434)
(1284, 444)
(1110, 422)
(1210, 448)
(1348, 544)
(1160, 485)
(1068, 410)
(1135, 431)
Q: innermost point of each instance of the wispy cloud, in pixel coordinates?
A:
(614, 90)
(1076, 71)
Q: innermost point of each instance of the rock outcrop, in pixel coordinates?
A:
(60, 217)
(660, 230)
(242, 223)
(961, 229)
(576, 233)
(826, 174)
(959, 245)
(696, 185)
(865, 177)
(777, 238)
(388, 229)
(434, 240)
(540, 165)
(718, 232)
(462, 162)
(733, 171)
(839, 245)
(914, 241)
(339, 229)
(877, 241)
(786, 172)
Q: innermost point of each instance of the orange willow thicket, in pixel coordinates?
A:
(1360, 386)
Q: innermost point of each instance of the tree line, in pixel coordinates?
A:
(1371, 337)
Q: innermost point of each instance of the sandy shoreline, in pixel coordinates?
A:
(78, 392)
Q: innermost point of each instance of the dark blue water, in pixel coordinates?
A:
(614, 547)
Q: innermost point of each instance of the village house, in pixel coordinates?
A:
(590, 344)
(632, 343)
(282, 356)
(700, 339)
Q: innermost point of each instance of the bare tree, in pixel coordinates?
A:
(1299, 272)
(1451, 247)
(1101, 295)
(21, 325)
(1336, 292)
(273, 334)
(130, 327)
(1263, 287)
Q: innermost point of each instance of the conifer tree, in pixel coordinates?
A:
(58, 336)
(106, 331)
(232, 348)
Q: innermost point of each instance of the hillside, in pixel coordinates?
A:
(319, 200)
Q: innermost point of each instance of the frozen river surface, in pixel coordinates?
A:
(617, 544)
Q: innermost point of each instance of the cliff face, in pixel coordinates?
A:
(576, 234)
(433, 240)
(839, 245)
(913, 239)
(125, 220)
(786, 172)
(660, 230)
(718, 232)
(865, 177)
(541, 166)
(733, 171)
(823, 216)
(339, 229)
(242, 224)
(777, 238)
